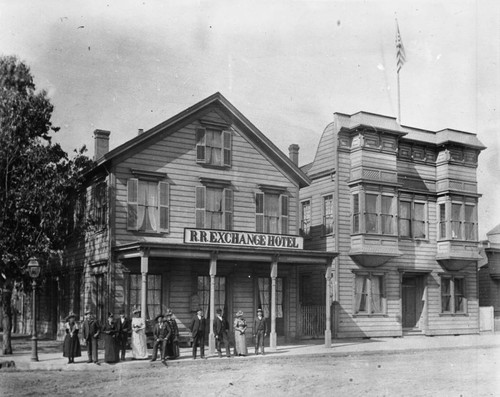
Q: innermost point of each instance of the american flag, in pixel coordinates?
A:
(400, 49)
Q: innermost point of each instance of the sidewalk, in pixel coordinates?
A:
(50, 352)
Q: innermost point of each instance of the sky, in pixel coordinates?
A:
(122, 65)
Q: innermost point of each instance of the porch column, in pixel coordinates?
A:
(213, 272)
(144, 284)
(328, 330)
(272, 335)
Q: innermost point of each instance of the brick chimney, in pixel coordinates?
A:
(140, 131)
(293, 153)
(101, 143)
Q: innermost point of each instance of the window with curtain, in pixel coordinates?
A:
(153, 295)
(453, 294)
(456, 221)
(369, 296)
(387, 214)
(458, 217)
(148, 205)
(204, 294)
(214, 208)
(371, 214)
(305, 210)
(328, 214)
(264, 285)
(442, 221)
(213, 147)
(271, 213)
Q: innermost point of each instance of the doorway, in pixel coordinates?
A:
(412, 296)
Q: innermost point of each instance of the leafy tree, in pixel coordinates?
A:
(38, 182)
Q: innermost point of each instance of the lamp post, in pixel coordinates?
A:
(34, 272)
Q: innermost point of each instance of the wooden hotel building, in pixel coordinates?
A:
(199, 211)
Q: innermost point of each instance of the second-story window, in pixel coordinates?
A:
(378, 213)
(413, 219)
(148, 205)
(458, 219)
(214, 208)
(271, 213)
(99, 207)
(213, 147)
(328, 214)
(305, 210)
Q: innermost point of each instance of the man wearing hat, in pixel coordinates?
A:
(122, 331)
(173, 341)
(198, 332)
(259, 331)
(91, 331)
(161, 334)
(221, 328)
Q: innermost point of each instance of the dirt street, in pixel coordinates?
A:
(470, 372)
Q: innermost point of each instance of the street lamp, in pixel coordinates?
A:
(34, 272)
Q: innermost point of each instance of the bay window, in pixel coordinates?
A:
(458, 219)
(377, 210)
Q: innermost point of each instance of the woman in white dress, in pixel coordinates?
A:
(138, 340)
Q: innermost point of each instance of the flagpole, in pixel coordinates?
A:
(399, 101)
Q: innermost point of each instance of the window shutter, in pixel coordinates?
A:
(259, 212)
(228, 209)
(227, 137)
(200, 145)
(200, 206)
(163, 201)
(132, 186)
(284, 214)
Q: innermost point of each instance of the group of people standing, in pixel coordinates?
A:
(115, 335)
(221, 333)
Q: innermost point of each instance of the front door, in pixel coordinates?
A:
(412, 296)
(409, 297)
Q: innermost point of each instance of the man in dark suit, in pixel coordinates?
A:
(259, 331)
(161, 334)
(91, 331)
(122, 331)
(221, 328)
(198, 332)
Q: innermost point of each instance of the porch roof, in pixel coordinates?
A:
(155, 250)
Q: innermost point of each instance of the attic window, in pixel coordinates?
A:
(213, 146)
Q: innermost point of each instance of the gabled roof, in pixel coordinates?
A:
(236, 117)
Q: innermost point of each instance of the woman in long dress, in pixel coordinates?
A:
(71, 344)
(240, 343)
(111, 351)
(138, 340)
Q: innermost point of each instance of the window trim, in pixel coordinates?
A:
(162, 203)
(383, 293)
(361, 212)
(225, 147)
(412, 219)
(283, 211)
(323, 209)
(452, 277)
(227, 206)
(447, 224)
(303, 231)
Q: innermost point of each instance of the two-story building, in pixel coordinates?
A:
(489, 274)
(199, 211)
(399, 206)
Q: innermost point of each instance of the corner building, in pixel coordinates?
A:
(399, 206)
(199, 211)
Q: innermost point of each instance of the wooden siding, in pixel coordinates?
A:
(175, 156)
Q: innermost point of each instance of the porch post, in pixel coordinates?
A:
(144, 284)
(328, 330)
(213, 272)
(272, 335)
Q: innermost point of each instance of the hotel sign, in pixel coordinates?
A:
(242, 239)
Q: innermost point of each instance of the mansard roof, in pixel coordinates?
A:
(233, 115)
(323, 161)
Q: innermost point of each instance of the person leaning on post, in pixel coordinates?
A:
(91, 332)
